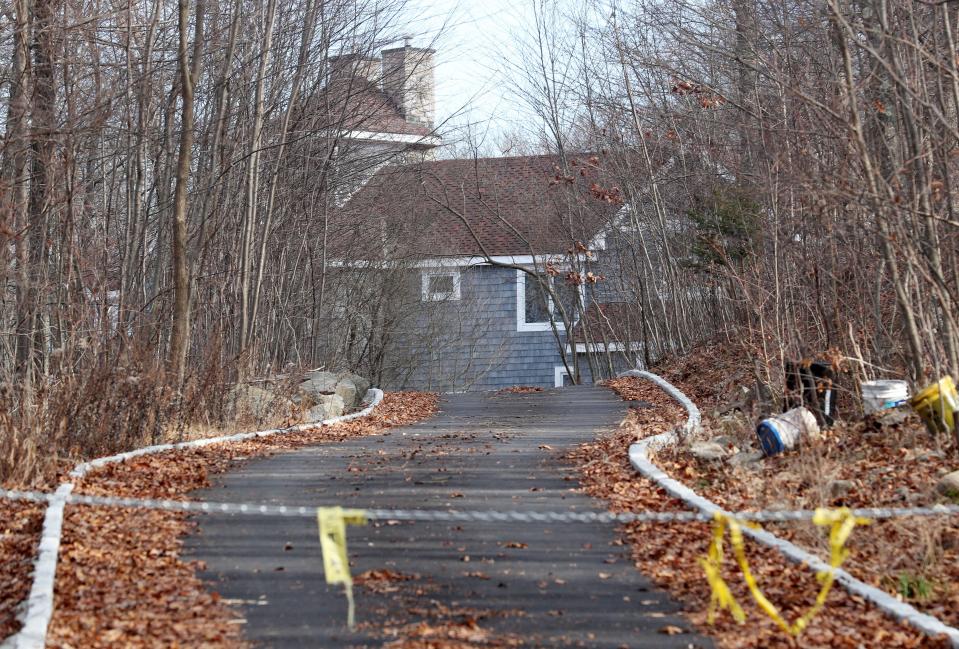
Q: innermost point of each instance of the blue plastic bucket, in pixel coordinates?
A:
(783, 432)
(769, 438)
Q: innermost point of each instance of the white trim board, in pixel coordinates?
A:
(392, 138)
(453, 262)
(559, 372)
(582, 348)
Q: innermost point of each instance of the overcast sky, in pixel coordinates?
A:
(474, 39)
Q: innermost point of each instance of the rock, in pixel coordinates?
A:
(362, 384)
(350, 387)
(348, 392)
(725, 441)
(327, 407)
(910, 497)
(319, 382)
(260, 404)
(892, 416)
(746, 459)
(839, 488)
(709, 451)
(949, 485)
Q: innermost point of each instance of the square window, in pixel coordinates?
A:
(536, 302)
(440, 286)
(534, 305)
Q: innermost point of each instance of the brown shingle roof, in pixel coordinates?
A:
(505, 206)
(359, 104)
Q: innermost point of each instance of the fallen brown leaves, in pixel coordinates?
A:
(415, 622)
(519, 389)
(18, 545)
(858, 463)
(669, 553)
(382, 580)
(465, 634)
(121, 580)
(874, 471)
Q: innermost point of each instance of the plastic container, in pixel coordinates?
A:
(784, 432)
(879, 395)
(937, 405)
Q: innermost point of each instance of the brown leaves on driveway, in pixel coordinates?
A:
(669, 553)
(415, 621)
(121, 581)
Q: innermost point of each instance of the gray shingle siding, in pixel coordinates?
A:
(473, 343)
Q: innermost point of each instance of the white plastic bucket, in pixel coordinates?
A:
(879, 395)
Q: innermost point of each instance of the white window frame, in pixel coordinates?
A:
(521, 324)
(583, 348)
(559, 371)
(440, 297)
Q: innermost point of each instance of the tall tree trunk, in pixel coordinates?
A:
(252, 181)
(16, 156)
(180, 338)
(31, 342)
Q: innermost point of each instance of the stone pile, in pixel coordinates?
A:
(321, 395)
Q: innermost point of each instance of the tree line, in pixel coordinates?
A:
(787, 167)
(167, 169)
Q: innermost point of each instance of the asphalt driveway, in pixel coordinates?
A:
(531, 585)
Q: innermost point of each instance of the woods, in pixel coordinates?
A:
(791, 161)
(150, 236)
(170, 173)
(206, 205)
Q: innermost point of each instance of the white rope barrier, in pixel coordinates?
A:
(460, 515)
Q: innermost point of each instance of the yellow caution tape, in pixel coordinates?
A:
(841, 523)
(336, 563)
(721, 598)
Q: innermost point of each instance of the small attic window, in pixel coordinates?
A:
(441, 285)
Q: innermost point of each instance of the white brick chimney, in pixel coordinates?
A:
(408, 80)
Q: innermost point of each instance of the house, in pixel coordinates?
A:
(507, 270)
(375, 110)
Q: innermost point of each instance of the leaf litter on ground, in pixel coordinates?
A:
(121, 580)
(670, 553)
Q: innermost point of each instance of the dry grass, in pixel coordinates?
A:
(109, 401)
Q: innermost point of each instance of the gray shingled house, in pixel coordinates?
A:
(507, 270)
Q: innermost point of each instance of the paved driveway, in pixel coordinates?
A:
(549, 585)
